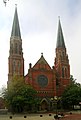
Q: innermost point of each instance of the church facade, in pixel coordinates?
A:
(49, 82)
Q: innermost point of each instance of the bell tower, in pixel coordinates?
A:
(15, 60)
(61, 63)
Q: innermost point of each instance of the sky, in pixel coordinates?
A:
(38, 21)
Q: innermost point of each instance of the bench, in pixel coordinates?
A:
(3, 111)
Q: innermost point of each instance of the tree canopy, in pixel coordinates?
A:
(19, 96)
(72, 94)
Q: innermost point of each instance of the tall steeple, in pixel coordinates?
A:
(16, 28)
(61, 62)
(15, 60)
(60, 38)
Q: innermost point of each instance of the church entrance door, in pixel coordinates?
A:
(44, 105)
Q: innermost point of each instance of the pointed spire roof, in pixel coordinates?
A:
(60, 38)
(15, 28)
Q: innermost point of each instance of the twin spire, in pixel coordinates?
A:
(16, 31)
(16, 28)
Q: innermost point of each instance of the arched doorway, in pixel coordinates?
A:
(44, 104)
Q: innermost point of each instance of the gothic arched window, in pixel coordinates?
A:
(18, 67)
(66, 72)
(20, 49)
(11, 48)
(14, 67)
(16, 48)
(63, 72)
(63, 54)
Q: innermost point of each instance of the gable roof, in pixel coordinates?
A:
(42, 61)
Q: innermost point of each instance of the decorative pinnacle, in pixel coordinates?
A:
(59, 17)
(15, 5)
(41, 54)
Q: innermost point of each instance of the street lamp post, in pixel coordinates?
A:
(57, 116)
(54, 100)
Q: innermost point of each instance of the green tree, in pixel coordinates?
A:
(72, 94)
(19, 96)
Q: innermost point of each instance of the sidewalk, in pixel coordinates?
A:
(27, 117)
(47, 116)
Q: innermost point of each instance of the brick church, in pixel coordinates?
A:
(46, 80)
